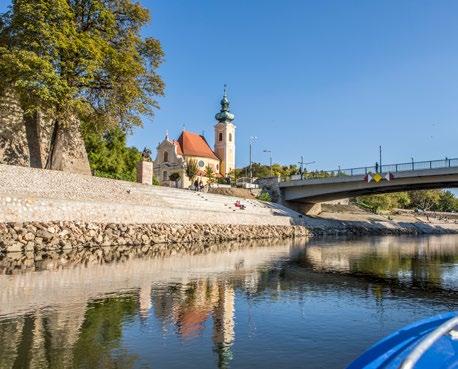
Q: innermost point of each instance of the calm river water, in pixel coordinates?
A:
(287, 304)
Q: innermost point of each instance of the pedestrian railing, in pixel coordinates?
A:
(392, 168)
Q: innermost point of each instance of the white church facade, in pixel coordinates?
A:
(173, 155)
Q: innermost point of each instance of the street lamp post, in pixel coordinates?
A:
(301, 163)
(252, 140)
(270, 160)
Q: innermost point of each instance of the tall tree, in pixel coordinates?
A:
(425, 200)
(210, 174)
(447, 202)
(191, 169)
(110, 157)
(80, 60)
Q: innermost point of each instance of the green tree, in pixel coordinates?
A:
(316, 174)
(264, 196)
(80, 60)
(210, 174)
(447, 202)
(435, 200)
(109, 155)
(387, 201)
(403, 199)
(262, 171)
(191, 169)
(425, 200)
(376, 203)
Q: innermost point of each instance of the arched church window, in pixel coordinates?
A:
(164, 176)
(217, 166)
(220, 136)
(166, 156)
(230, 137)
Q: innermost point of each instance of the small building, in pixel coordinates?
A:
(173, 155)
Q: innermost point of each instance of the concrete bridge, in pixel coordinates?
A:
(304, 194)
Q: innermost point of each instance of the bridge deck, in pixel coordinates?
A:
(342, 186)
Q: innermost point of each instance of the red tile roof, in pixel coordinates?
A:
(192, 144)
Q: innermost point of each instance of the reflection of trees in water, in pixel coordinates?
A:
(89, 335)
(101, 333)
(42, 339)
(10, 338)
(68, 336)
(417, 262)
(304, 274)
(93, 339)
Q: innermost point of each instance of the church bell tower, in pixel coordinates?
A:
(225, 137)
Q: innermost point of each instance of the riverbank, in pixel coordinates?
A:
(56, 211)
(60, 236)
(336, 216)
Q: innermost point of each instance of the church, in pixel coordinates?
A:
(173, 155)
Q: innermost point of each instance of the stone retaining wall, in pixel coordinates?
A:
(62, 236)
(58, 236)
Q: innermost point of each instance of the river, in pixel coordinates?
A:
(266, 304)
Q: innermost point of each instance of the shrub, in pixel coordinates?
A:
(264, 196)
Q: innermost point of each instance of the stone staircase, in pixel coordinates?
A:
(28, 194)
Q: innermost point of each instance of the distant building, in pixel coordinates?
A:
(173, 155)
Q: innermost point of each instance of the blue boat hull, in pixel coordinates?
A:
(390, 352)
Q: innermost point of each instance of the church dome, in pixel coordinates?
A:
(224, 114)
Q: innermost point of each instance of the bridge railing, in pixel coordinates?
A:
(393, 168)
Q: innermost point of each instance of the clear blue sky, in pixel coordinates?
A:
(329, 80)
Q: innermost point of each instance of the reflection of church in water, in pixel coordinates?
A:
(192, 306)
(56, 338)
(76, 317)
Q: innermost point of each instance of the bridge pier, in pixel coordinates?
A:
(306, 208)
